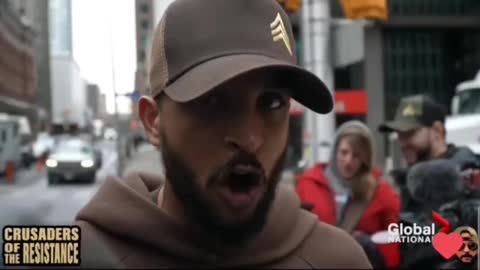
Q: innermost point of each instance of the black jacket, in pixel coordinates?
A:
(462, 156)
(459, 212)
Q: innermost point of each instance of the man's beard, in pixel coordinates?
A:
(423, 154)
(198, 208)
(472, 259)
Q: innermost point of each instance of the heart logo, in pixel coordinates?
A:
(447, 244)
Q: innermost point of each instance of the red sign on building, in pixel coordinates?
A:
(347, 102)
(351, 102)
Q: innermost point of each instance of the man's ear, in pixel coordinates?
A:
(150, 116)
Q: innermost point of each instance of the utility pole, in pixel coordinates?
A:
(117, 115)
(316, 36)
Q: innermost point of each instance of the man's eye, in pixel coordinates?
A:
(272, 101)
(209, 101)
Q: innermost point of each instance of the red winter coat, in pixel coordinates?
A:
(313, 187)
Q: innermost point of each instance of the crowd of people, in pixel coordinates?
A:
(349, 192)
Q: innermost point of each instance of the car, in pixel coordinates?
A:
(72, 160)
(110, 134)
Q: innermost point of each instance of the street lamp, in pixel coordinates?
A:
(117, 115)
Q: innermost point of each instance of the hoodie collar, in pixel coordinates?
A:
(127, 208)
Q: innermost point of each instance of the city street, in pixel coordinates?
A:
(31, 201)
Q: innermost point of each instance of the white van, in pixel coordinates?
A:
(463, 126)
(10, 141)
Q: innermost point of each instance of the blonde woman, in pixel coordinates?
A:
(348, 192)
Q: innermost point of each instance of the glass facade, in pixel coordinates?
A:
(430, 62)
(61, 27)
(433, 7)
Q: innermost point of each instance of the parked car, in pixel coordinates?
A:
(73, 160)
(10, 142)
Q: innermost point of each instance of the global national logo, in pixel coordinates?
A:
(461, 243)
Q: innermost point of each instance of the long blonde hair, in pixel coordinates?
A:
(362, 180)
(360, 145)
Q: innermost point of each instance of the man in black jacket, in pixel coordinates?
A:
(420, 125)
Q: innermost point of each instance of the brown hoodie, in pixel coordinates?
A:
(122, 227)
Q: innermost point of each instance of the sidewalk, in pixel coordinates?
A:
(24, 177)
(145, 159)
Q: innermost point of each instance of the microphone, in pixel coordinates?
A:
(435, 182)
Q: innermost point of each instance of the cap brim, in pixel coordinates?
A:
(398, 126)
(306, 87)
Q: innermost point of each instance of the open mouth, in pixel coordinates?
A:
(243, 182)
(242, 187)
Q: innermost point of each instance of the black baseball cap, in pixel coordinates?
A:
(414, 112)
(201, 44)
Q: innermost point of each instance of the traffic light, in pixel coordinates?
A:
(291, 5)
(365, 9)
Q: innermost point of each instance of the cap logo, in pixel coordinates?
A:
(279, 32)
(409, 110)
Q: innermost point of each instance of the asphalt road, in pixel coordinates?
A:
(31, 201)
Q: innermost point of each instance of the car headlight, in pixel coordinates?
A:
(52, 163)
(87, 163)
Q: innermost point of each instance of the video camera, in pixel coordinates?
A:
(471, 177)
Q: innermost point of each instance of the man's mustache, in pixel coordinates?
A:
(240, 158)
(467, 256)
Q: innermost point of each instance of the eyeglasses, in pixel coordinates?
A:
(471, 246)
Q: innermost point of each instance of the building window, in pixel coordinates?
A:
(4, 136)
(15, 130)
(141, 56)
(145, 8)
(145, 24)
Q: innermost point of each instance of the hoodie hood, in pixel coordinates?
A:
(337, 181)
(128, 209)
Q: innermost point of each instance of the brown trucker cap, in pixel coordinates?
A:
(201, 44)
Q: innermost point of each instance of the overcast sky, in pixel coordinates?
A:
(92, 47)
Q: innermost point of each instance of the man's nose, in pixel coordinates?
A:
(247, 134)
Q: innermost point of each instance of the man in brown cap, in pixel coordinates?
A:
(221, 77)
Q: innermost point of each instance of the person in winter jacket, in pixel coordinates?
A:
(221, 79)
(349, 179)
(420, 125)
(438, 185)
